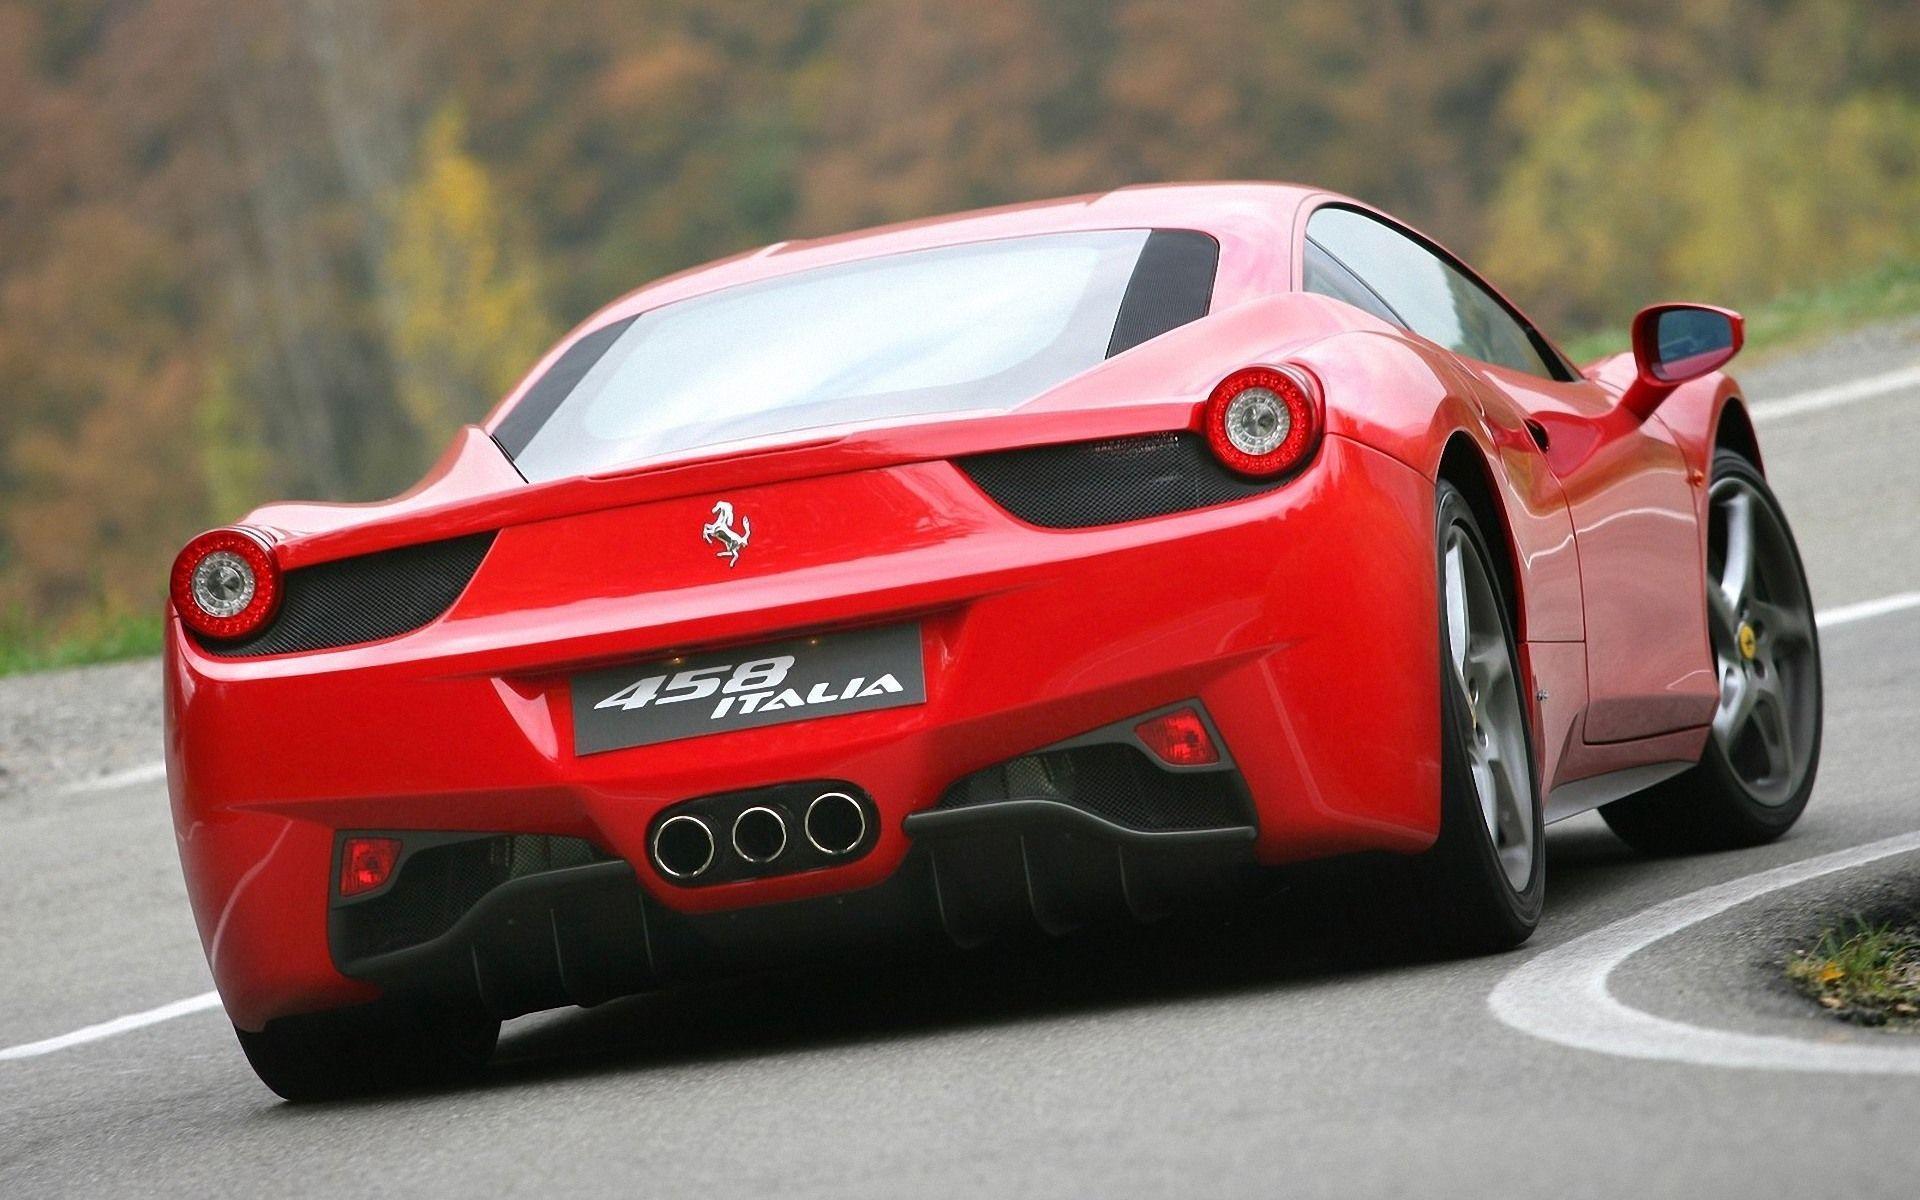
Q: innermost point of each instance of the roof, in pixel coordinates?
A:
(1253, 219)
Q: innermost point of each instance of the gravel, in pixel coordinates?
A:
(59, 728)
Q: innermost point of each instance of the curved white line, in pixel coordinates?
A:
(107, 1029)
(1561, 994)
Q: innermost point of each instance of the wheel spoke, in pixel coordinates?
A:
(1483, 787)
(1458, 635)
(1491, 669)
(1735, 709)
(1780, 623)
(1512, 816)
(1769, 720)
(1459, 621)
(1736, 574)
(1722, 625)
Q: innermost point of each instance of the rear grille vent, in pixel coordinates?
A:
(436, 886)
(1081, 484)
(365, 598)
(1116, 782)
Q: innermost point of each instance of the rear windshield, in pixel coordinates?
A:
(976, 327)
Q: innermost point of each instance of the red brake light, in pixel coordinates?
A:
(226, 584)
(366, 862)
(1179, 739)
(1264, 420)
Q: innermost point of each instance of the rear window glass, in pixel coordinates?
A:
(958, 328)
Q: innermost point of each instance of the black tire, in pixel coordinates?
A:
(1472, 905)
(330, 1056)
(1710, 807)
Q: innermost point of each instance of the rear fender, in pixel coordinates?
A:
(1409, 401)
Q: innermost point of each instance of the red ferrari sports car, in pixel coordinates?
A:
(1021, 567)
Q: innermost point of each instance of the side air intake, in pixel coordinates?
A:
(363, 599)
(1082, 484)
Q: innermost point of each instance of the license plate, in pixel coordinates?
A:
(771, 684)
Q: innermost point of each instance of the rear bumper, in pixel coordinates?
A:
(590, 933)
(1302, 619)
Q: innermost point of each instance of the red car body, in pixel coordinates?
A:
(1301, 619)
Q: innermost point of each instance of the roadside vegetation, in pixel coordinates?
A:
(1864, 972)
(98, 638)
(1800, 316)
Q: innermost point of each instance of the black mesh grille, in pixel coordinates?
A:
(1081, 484)
(437, 885)
(366, 598)
(1116, 782)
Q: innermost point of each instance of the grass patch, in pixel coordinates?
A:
(1864, 972)
(1798, 316)
(107, 637)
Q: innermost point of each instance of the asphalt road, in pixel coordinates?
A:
(1282, 1053)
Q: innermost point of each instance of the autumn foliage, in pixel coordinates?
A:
(285, 247)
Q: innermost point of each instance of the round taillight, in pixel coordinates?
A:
(1264, 420)
(226, 584)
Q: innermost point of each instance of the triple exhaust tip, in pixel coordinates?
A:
(759, 834)
(835, 823)
(684, 847)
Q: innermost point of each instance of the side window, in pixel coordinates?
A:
(1323, 275)
(1432, 297)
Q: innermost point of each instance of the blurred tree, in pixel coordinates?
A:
(1575, 235)
(234, 459)
(100, 403)
(1633, 180)
(466, 289)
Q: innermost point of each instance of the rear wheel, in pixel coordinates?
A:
(1757, 770)
(1486, 873)
(326, 1056)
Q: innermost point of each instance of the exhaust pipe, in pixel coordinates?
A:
(835, 823)
(683, 846)
(759, 834)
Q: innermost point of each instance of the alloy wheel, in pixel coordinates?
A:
(1760, 620)
(1482, 669)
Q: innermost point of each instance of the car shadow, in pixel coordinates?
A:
(1344, 920)
(1584, 861)
(1334, 921)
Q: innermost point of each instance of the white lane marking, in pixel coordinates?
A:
(151, 772)
(119, 1025)
(1561, 994)
(1833, 397)
(1846, 614)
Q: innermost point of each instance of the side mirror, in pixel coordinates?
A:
(1675, 343)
